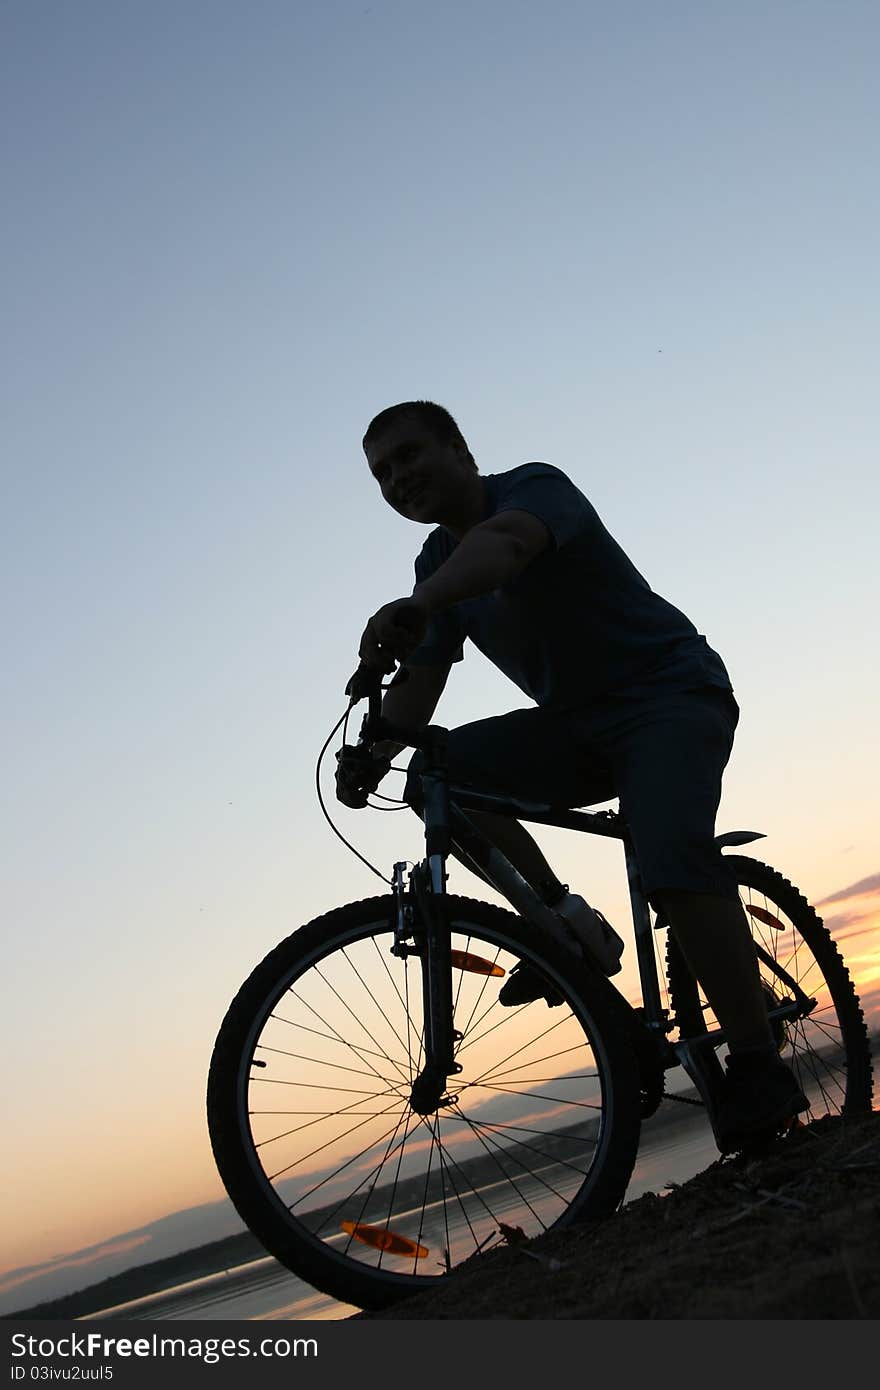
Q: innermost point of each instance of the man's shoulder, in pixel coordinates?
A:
(551, 495)
(534, 469)
(534, 479)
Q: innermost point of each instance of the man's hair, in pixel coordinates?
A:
(435, 417)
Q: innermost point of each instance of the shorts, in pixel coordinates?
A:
(662, 754)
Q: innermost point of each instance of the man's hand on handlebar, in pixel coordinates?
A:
(358, 773)
(394, 631)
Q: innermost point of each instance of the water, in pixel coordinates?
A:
(260, 1290)
(263, 1290)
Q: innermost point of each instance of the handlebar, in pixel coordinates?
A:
(366, 684)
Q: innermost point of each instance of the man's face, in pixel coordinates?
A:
(419, 477)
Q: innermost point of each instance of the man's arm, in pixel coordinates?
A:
(411, 703)
(486, 557)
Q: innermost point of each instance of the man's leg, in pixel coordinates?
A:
(527, 753)
(516, 844)
(669, 757)
(716, 942)
(541, 756)
(761, 1093)
(712, 932)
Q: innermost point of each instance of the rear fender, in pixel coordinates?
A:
(739, 837)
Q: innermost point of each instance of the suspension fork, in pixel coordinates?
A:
(428, 883)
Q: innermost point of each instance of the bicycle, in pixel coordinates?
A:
(378, 1118)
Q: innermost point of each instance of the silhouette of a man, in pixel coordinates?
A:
(629, 701)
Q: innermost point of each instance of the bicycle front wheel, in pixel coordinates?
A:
(317, 1143)
(827, 1046)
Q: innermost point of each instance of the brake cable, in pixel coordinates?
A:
(399, 807)
(394, 803)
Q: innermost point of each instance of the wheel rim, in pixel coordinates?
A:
(338, 1154)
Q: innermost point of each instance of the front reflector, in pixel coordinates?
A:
(766, 917)
(381, 1239)
(463, 960)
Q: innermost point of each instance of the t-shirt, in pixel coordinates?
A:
(577, 624)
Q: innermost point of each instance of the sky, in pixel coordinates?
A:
(636, 241)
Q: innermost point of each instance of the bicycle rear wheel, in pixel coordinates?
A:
(828, 1047)
(311, 1123)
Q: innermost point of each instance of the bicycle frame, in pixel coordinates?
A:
(448, 828)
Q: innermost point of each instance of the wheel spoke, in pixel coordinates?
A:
(319, 1116)
(549, 1156)
(359, 1021)
(498, 1075)
(357, 1049)
(535, 1095)
(305, 1158)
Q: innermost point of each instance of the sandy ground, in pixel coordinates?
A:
(795, 1234)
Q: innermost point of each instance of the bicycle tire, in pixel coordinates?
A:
(829, 1049)
(508, 1159)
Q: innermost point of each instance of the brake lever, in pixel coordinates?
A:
(358, 685)
(367, 681)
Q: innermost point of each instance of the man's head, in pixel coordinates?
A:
(423, 465)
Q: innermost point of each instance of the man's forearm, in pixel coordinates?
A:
(410, 705)
(387, 748)
(482, 561)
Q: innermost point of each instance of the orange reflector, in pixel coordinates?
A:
(463, 960)
(382, 1239)
(766, 917)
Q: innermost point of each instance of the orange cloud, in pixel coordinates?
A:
(871, 884)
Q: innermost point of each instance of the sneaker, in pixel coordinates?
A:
(524, 985)
(760, 1098)
(596, 937)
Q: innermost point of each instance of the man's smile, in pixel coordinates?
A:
(413, 493)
